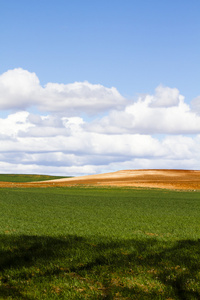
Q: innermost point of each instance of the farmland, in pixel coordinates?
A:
(26, 178)
(165, 179)
(99, 243)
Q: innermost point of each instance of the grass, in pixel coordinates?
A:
(99, 243)
(26, 177)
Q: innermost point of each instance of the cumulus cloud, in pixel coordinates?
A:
(162, 113)
(166, 97)
(150, 132)
(196, 104)
(20, 89)
(27, 146)
(80, 97)
(14, 123)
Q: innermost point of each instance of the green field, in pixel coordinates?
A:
(99, 243)
(26, 178)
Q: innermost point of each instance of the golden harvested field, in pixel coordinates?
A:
(166, 179)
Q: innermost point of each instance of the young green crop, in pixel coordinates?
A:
(99, 243)
(26, 178)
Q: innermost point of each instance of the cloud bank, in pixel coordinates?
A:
(20, 89)
(162, 113)
(154, 131)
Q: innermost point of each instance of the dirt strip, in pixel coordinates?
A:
(165, 179)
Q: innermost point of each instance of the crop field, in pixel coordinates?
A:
(99, 243)
(25, 177)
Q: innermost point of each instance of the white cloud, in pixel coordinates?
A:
(14, 123)
(147, 133)
(151, 115)
(80, 152)
(80, 97)
(20, 89)
(166, 97)
(196, 104)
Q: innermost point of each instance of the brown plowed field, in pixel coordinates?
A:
(167, 179)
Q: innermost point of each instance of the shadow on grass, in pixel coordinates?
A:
(127, 269)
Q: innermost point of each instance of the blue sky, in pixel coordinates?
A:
(136, 61)
(132, 45)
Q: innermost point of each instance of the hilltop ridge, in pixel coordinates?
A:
(148, 178)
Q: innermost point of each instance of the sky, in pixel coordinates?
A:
(90, 86)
